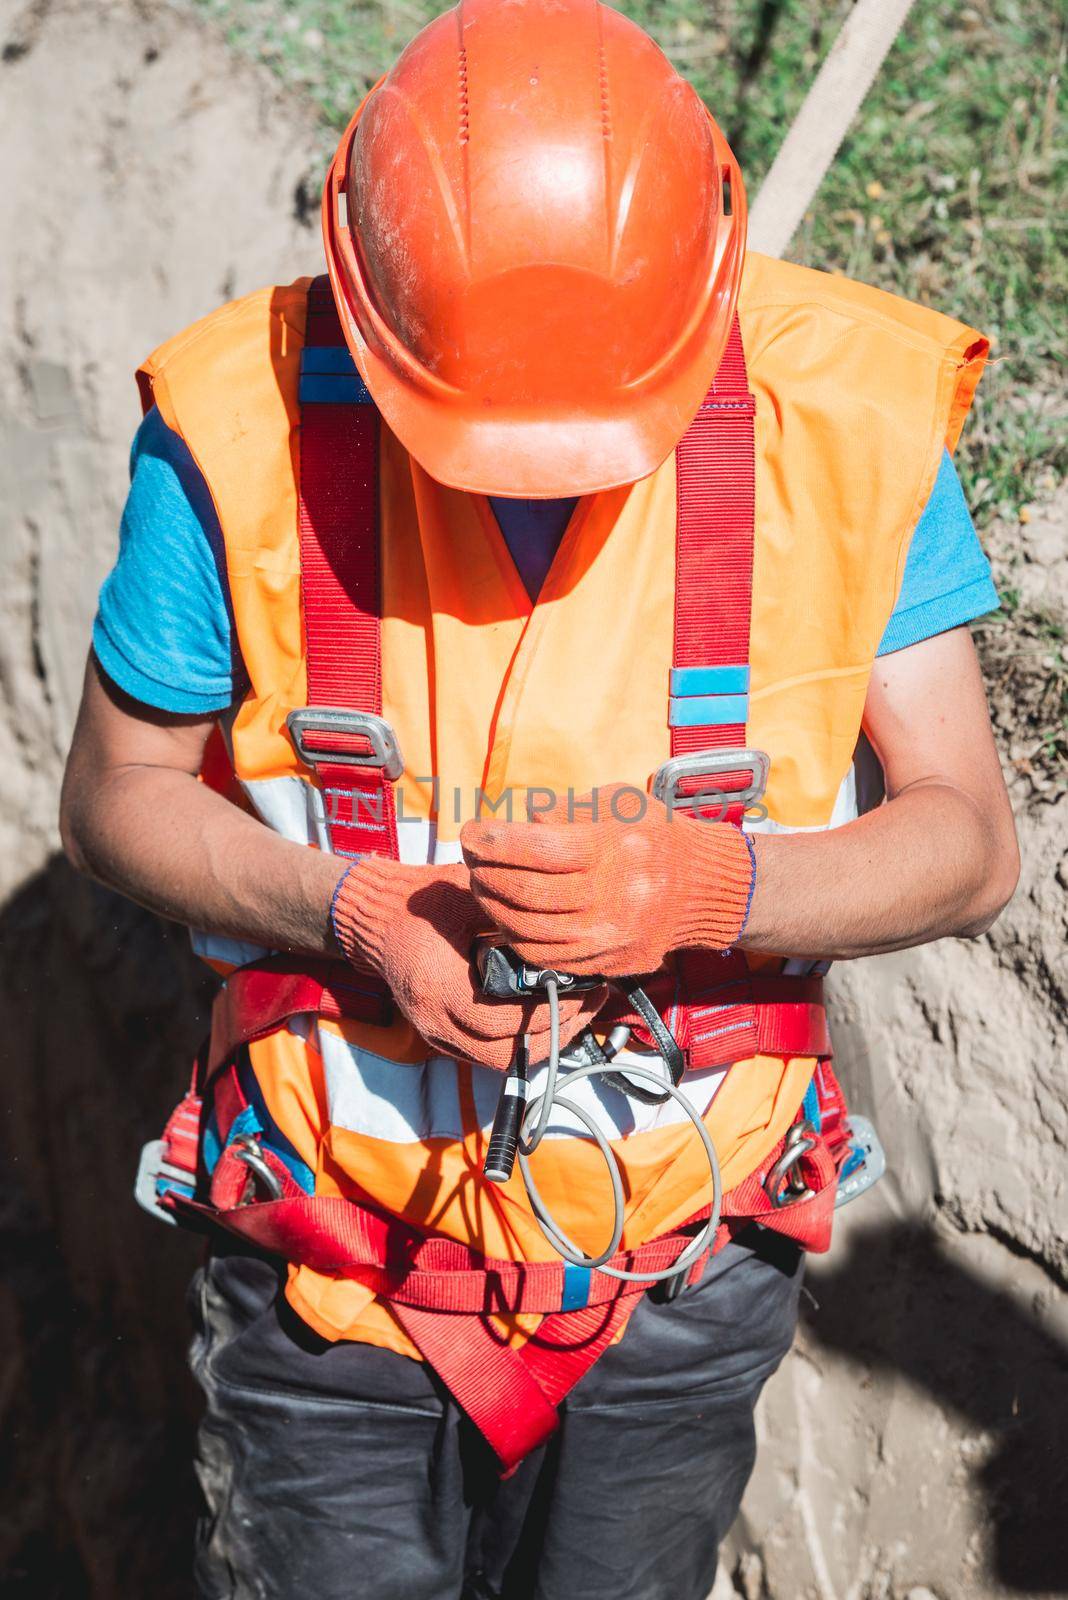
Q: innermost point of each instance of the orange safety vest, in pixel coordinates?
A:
(857, 394)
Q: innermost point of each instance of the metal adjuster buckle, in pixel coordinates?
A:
(706, 764)
(156, 1176)
(783, 1184)
(865, 1163)
(384, 753)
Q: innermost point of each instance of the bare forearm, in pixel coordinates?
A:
(927, 865)
(172, 844)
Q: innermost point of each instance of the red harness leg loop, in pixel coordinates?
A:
(512, 1396)
(489, 1379)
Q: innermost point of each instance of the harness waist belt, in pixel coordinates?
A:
(754, 1014)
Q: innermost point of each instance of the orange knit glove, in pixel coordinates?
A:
(415, 926)
(608, 895)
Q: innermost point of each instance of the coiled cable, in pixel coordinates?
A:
(534, 1126)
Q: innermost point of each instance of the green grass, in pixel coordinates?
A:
(950, 189)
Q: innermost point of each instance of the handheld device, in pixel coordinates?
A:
(505, 976)
(521, 1119)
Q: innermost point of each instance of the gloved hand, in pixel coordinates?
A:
(415, 926)
(610, 896)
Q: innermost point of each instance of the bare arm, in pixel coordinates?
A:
(134, 816)
(940, 858)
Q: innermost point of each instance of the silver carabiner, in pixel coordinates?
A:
(783, 1185)
(247, 1150)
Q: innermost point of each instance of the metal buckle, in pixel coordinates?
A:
(706, 763)
(247, 1150)
(384, 752)
(156, 1176)
(865, 1164)
(783, 1185)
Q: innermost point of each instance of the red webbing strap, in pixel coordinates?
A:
(181, 1136)
(487, 1378)
(260, 997)
(714, 551)
(433, 1273)
(339, 562)
(733, 1014)
(730, 1013)
(334, 1235)
(512, 1395)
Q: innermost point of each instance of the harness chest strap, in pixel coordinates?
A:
(734, 1019)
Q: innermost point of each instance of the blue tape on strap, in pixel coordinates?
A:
(327, 358)
(272, 1136)
(333, 389)
(853, 1160)
(246, 1121)
(212, 1147)
(576, 1296)
(810, 1105)
(709, 680)
(166, 1186)
(709, 710)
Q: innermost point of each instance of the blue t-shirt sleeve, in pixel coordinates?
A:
(947, 577)
(164, 629)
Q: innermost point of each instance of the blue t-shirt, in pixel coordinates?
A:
(164, 630)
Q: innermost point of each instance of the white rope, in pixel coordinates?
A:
(823, 122)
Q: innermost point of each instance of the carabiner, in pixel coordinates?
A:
(783, 1184)
(247, 1150)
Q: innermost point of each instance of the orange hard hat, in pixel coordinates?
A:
(535, 234)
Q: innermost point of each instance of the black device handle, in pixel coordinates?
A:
(504, 1135)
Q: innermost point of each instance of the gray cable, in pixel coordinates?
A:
(532, 1131)
(548, 1098)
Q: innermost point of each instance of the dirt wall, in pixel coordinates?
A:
(911, 1444)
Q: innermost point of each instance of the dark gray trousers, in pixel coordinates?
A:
(345, 1472)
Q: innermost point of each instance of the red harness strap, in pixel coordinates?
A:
(720, 1011)
(260, 997)
(442, 1292)
(727, 1014)
(714, 577)
(338, 512)
(731, 1018)
(512, 1395)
